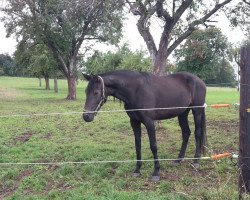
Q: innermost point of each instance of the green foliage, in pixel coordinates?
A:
(124, 58)
(226, 74)
(205, 53)
(35, 60)
(63, 25)
(239, 15)
(7, 66)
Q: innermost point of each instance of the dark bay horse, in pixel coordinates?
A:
(181, 92)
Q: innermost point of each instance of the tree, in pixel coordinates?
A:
(36, 60)
(63, 26)
(226, 74)
(124, 58)
(7, 66)
(205, 53)
(43, 64)
(239, 15)
(178, 19)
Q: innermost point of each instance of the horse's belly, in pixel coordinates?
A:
(167, 114)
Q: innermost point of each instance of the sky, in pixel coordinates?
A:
(131, 35)
(8, 45)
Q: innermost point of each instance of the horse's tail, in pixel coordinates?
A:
(203, 132)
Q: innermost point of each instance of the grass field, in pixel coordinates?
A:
(62, 138)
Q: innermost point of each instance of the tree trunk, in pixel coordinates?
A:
(47, 83)
(71, 87)
(160, 64)
(55, 84)
(40, 82)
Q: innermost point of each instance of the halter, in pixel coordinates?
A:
(103, 98)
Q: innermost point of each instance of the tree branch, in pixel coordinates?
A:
(245, 1)
(210, 13)
(194, 24)
(161, 12)
(55, 51)
(179, 12)
(237, 58)
(140, 9)
(182, 37)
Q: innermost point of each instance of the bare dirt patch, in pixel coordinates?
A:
(22, 138)
(224, 125)
(8, 191)
(9, 94)
(48, 136)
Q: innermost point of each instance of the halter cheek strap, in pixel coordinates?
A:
(103, 98)
(103, 86)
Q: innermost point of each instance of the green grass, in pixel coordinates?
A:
(68, 138)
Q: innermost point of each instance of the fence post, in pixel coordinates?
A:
(244, 130)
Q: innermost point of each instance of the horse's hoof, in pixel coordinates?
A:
(155, 178)
(196, 165)
(136, 175)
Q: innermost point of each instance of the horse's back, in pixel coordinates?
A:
(181, 89)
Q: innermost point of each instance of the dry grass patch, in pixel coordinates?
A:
(10, 94)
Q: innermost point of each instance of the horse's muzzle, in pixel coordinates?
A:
(88, 117)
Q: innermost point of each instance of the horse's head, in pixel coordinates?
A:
(95, 96)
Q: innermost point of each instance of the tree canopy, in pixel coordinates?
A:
(7, 66)
(207, 53)
(63, 26)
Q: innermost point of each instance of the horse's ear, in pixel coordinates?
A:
(88, 77)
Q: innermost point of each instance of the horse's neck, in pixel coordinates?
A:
(118, 87)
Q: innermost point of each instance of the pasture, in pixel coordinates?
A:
(62, 138)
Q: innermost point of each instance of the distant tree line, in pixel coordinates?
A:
(206, 53)
(123, 58)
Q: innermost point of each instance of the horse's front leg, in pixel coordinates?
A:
(136, 126)
(152, 139)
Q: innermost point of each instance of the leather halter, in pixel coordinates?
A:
(103, 98)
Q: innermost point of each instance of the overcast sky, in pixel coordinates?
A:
(131, 35)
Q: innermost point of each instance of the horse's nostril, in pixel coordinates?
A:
(85, 117)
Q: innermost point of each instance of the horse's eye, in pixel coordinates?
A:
(95, 92)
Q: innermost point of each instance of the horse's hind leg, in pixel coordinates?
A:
(183, 122)
(197, 112)
(136, 126)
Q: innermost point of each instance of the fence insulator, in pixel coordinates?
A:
(219, 156)
(220, 105)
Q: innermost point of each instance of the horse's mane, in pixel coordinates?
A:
(127, 73)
